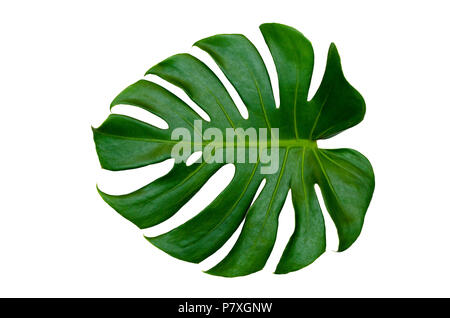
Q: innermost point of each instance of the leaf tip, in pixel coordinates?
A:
(265, 25)
(114, 103)
(213, 273)
(198, 44)
(151, 70)
(102, 194)
(273, 24)
(333, 52)
(345, 244)
(280, 272)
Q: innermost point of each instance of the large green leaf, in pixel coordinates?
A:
(344, 176)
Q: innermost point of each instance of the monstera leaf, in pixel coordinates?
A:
(344, 176)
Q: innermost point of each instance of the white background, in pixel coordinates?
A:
(61, 64)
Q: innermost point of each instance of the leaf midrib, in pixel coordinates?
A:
(283, 143)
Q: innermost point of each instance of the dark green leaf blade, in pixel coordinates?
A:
(204, 234)
(344, 176)
(339, 106)
(307, 242)
(202, 86)
(347, 183)
(126, 143)
(294, 59)
(257, 238)
(242, 64)
(159, 200)
(159, 101)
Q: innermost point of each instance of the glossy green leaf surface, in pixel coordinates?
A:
(345, 177)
